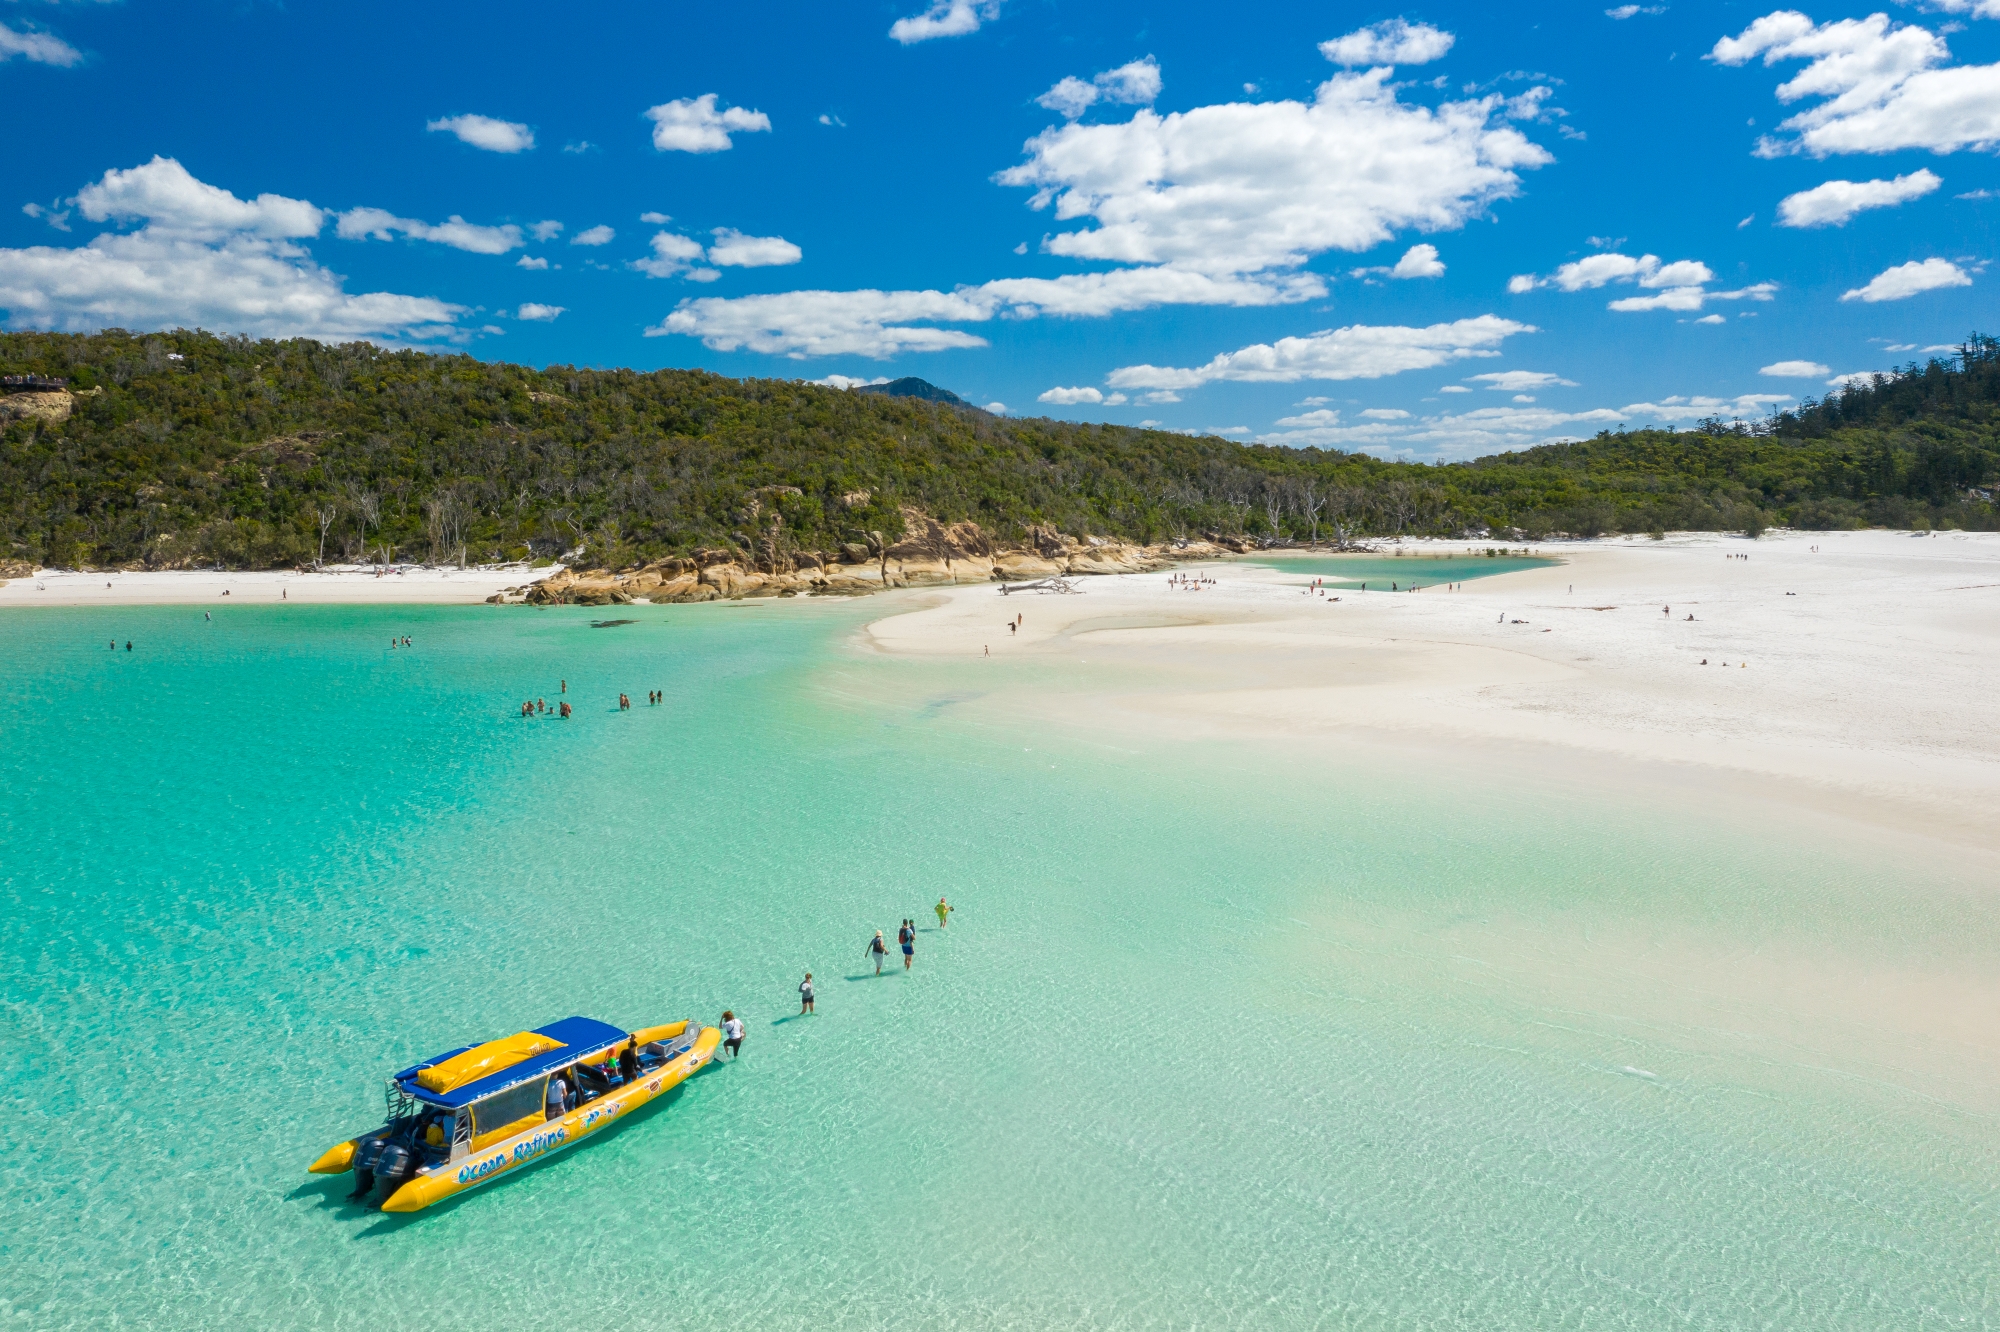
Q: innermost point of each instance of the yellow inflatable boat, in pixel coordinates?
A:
(473, 1114)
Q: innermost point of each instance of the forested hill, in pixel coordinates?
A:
(183, 448)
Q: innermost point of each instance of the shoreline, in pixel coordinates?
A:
(337, 585)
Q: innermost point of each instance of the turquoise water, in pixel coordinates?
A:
(1219, 1037)
(1378, 571)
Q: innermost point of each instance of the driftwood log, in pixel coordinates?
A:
(1055, 584)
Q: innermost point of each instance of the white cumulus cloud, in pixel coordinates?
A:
(495, 136)
(945, 18)
(1680, 285)
(829, 323)
(1395, 42)
(167, 198)
(1832, 204)
(1419, 261)
(32, 44)
(1880, 86)
(733, 249)
(1358, 351)
(845, 382)
(1519, 381)
(871, 323)
(1911, 279)
(549, 230)
(675, 256)
(1793, 370)
(542, 313)
(693, 125)
(597, 235)
(1246, 186)
(203, 259)
(1070, 397)
(1136, 84)
(535, 262)
(455, 231)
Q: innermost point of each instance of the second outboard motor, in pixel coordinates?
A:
(396, 1164)
(365, 1162)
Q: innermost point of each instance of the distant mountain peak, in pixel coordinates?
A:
(911, 387)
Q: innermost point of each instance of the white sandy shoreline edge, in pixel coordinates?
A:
(1861, 664)
(344, 585)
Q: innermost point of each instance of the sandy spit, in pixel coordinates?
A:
(1857, 664)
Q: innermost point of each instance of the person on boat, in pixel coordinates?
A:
(628, 1058)
(806, 995)
(942, 911)
(907, 936)
(877, 950)
(556, 1099)
(732, 1033)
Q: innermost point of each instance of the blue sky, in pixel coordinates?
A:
(1429, 232)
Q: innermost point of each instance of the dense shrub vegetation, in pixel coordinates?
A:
(190, 448)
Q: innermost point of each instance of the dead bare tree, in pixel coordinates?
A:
(1276, 494)
(325, 514)
(1311, 499)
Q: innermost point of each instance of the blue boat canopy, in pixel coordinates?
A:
(581, 1038)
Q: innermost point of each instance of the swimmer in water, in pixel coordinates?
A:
(942, 911)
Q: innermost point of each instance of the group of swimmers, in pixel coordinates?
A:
(1189, 582)
(877, 950)
(404, 641)
(535, 707)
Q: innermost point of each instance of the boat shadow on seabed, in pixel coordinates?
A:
(331, 1191)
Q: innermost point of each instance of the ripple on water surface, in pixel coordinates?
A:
(1269, 1046)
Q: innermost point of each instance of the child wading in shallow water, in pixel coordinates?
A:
(806, 995)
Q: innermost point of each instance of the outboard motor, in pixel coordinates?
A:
(365, 1162)
(396, 1164)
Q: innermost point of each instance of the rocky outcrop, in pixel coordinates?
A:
(53, 405)
(929, 554)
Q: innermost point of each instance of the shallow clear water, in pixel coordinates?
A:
(1379, 571)
(1215, 1039)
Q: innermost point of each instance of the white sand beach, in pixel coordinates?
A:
(350, 584)
(1857, 665)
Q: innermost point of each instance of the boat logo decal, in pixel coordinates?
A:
(522, 1151)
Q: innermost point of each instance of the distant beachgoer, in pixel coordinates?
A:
(942, 911)
(877, 950)
(283, 594)
(986, 650)
(565, 687)
(565, 711)
(1666, 610)
(225, 591)
(207, 615)
(114, 645)
(1013, 628)
(541, 706)
(128, 645)
(907, 936)
(1019, 619)
(732, 1033)
(806, 995)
